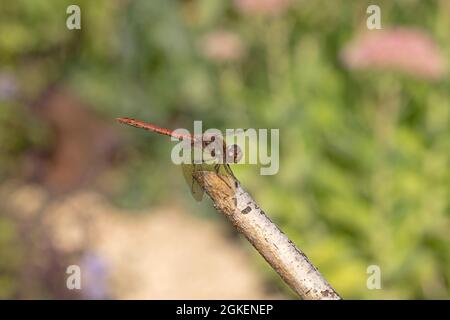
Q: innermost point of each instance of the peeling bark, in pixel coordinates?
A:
(281, 253)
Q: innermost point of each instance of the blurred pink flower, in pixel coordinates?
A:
(221, 46)
(405, 50)
(262, 7)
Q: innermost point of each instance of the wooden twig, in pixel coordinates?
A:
(281, 253)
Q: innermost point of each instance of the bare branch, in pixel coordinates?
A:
(280, 252)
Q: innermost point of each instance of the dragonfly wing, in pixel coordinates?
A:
(196, 190)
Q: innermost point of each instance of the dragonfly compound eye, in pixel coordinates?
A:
(234, 153)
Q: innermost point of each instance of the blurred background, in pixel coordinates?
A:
(364, 145)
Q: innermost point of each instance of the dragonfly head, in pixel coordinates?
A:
(234, 153)
(216, 149)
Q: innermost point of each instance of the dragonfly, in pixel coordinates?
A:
(217, 157)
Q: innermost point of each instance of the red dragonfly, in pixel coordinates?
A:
(227, 154)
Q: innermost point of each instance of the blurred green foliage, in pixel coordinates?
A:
(364, 160)
(11, 257)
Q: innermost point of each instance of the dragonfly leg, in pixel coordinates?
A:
(217, 170)
(193, 180)
(228, 170)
